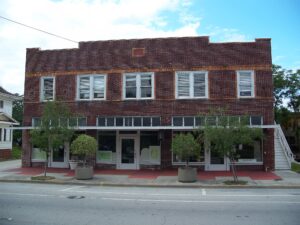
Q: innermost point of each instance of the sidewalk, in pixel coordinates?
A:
(11, 171)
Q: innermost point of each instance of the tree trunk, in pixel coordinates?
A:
(46, 163)
(233, 169)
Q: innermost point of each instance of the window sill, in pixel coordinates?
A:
(137, 99)
(89, 100)
(191, 98)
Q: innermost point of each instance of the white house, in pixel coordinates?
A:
(6, 121)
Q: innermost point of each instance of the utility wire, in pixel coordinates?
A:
(46, 32)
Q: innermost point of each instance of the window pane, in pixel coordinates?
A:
(107, 141)
(84, 87)
(119, 121)
(146, 92)
(110, 121)
(183, 80)
(137, 121)
(256, 120)
(177, 121)
(211, 120)
(145, 80)
(245, 83)
(130, 92)
(48, 87)
(250, 153)
(101, 121)
(128, 121)
(155, 121)
(146, 121)
(130, 81)
(199, 84)
(36, 121)
(199, 121)
(99, 87)
(73, 122)
(189, 121)
(81, 121)
(244, 120)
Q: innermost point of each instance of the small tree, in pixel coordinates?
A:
(53, 130)
(185, 146)
(225, 136)
(84, 146)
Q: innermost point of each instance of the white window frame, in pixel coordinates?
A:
(138, 85)
(252, 83)
(42, 96)
(191, 85)
(91, 76)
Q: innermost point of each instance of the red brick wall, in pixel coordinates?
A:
(163, 57)
(5, 153)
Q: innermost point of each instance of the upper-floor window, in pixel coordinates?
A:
(47, 88)
(91, 87)
(245, 83)
(191, 84)
(138, 86)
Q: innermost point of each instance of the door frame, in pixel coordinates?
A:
(65, 163)
(215, 167)
(136, 164)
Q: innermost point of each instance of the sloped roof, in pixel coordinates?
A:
(177, 52)
(8, 94)
(4, 118)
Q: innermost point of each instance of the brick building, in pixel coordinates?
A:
(133, 95)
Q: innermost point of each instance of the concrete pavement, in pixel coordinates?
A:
(11, 171)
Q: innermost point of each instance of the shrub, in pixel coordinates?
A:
(84, 146)
(185, 146)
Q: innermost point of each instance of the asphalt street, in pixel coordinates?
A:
(42, 204)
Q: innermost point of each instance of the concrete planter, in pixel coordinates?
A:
(187, 175)
(73, 164)
(84, 173)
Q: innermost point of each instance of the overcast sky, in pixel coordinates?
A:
(79, 20)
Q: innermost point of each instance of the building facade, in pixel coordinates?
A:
(134, 95)
(6, 122)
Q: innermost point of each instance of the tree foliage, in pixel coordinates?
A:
(224, 137)
(185, 146)
(53, 130)
(84, 146)
(286, 87)
(17, 114)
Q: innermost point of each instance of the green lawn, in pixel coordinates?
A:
(296, 167)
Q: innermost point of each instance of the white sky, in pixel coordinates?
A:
(81, 20)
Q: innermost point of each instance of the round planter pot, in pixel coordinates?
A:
(187, 175)
(73, 164)
(84, 173)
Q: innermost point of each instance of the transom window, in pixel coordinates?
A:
(91, 87)
(137, 121)
(195, 121)
(138, 86)
(245, 82)
(191, 84)
(47, 88)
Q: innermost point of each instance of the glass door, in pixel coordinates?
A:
(128, 153)
(215, 162)
(58, 157)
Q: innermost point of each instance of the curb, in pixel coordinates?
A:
(108, 184)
